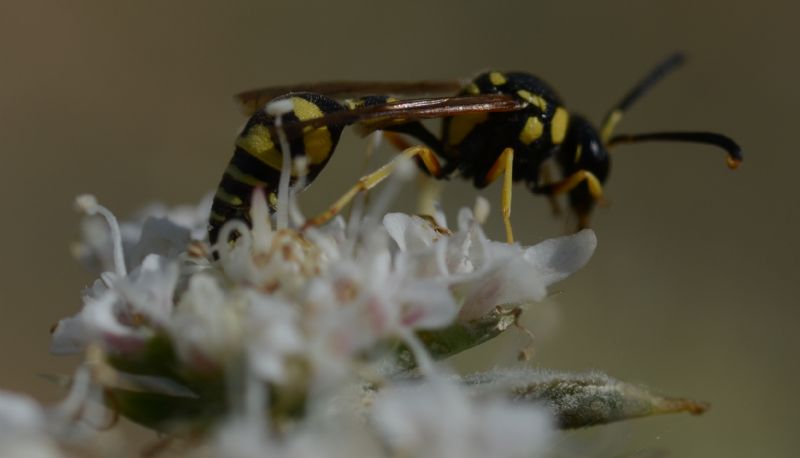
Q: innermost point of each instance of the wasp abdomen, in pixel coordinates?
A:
(258, 157)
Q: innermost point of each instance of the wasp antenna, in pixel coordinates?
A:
(613, 117)
(709, 138)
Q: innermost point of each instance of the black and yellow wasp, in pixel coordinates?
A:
(500, 124)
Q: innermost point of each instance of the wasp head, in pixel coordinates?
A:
(583, 151)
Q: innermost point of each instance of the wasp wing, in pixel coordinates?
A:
(381, 116)
(253, 100)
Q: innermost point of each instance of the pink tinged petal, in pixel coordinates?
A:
(149, 290)
(427, 305)
(378, 315)
(510, 281)
(98, 321)
(274, 334)
(100, 316)
(517, 276)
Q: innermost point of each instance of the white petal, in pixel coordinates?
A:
(515, 430)
(20, 414)
(69, 336)
(515, 276)
(100, 317)
(150, 288)
(409, 232)
(159, 236)
(560, 257)
(428, 305)
(510, 281)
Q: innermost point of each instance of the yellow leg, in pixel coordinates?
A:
(368, 182)
(430, 189)
(595, 187)
(506, 199)
(397, 140)
(504, 165)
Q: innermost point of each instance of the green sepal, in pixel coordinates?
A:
(157, 357)
(579, 400)
(164, 413)
(446, 342)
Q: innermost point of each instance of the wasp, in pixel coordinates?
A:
(500, 124)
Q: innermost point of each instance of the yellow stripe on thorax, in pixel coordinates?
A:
(497, 78)
(535, 100)
(558, 127)
(531, 131)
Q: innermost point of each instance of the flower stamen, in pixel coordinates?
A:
(87, 203)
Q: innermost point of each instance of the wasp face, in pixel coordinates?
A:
(583, 150)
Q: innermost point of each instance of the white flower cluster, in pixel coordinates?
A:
(311, 310)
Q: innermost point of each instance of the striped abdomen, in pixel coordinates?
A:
(258, 158)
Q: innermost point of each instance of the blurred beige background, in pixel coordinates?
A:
(690, 291)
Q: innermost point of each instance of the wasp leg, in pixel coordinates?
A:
(419, 132)
(368, 182)
(569, 183)
(505, 165)
(397, 140)
(547, 177)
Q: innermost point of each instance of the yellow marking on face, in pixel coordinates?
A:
(228, 198)
(258, 142)
(272, 198)
(317, 143)
(392, 99)
(558, 127)
(461, 126)
(497, 78)
(531, 131)
(473, 89)
(217, 217)
(610, 124)
(578, 153)
(535, 100)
